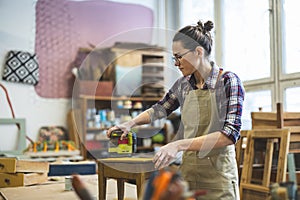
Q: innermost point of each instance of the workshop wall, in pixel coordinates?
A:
(18, 32)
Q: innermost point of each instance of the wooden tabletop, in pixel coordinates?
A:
(56, 190)
(128, 164)
(126, 160)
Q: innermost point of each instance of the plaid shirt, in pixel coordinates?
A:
(231, 87)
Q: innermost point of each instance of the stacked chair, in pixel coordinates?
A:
(262, 153)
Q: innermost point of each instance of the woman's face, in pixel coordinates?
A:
(185, 59)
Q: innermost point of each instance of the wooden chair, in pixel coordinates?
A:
(280, 119)
(239, 149)
(260, 190)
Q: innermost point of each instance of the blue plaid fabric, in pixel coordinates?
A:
(228, 85)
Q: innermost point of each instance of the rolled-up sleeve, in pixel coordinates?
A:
(235, 94)
(170, 102)
(164, 107)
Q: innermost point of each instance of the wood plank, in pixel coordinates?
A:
(251, 194)
(75, 121)
(35, 178)
(62, 153)
(246, 171)
(8, 165)
(12, 165)
(11, 180)
(282, 157)
(264, 116)
(294, 129)
(258, 188)
(55, 190)
(239, 147)
(32, 166)
(279, 112)
(269, 133)
(268, 163)
(21, 179)
(129, 164)
(292, 122)
(294, 151)
(127, 160)
(291, 115)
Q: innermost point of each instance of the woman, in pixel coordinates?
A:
(210, 101)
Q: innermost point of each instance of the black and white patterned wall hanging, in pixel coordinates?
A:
(21, 67)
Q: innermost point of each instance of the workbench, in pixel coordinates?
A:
(56, 190)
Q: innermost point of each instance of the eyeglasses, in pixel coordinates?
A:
(176, 58)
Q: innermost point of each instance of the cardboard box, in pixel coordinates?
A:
(96, 88)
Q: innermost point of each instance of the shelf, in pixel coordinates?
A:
(140, 148)
(99, 140)
(139, 109)
(148, 148)
(157, 75)
(148, 128)
(64, 153)
(111, 98)
(152, 64)
(96, 129)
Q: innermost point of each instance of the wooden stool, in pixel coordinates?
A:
(122, 169)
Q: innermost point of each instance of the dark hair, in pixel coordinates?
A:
(193, 36)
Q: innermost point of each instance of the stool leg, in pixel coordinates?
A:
(120, 184)
(101, 183)
(140, 179)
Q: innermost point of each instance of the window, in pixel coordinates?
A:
(259, 43)
(292, 96)
(193, 11)
(247, 38)
(290, 34)
(255, 100)
(290, 70)
(247, 50)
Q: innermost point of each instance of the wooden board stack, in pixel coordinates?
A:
(14, 173)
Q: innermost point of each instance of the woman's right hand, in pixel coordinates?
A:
(125, 127)
(110, 130)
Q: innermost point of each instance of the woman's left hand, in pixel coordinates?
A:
(165, 155)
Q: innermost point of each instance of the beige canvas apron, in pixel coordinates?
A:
(214, 171)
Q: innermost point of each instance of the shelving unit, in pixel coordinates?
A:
(94, 139)
(139, 79)
(153, 75)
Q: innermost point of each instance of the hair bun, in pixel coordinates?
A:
(208, 26)
(200, 25)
